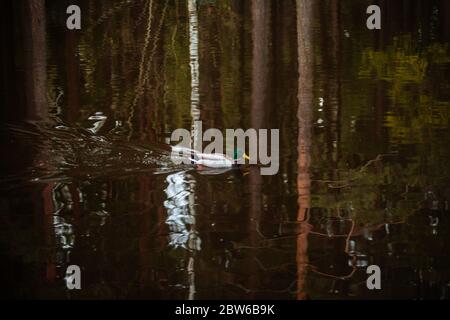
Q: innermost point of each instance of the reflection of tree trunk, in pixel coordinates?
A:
(231, 35)
(261, 58)
(330, 83)
(194, 64)
(380, 35)
(261, 12)
(195, 134)
(22, 72)
(208, 49)
(145, 228)
(25, 60)
(329, 77)
(334, 85)
(260, 81)
(49, 209)
(73, 76)
(304, 115)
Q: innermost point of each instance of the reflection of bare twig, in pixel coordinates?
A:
(247, 290)
(341, 186)
(141, 65)
(314, 269)
(337, 184)
(141, 16)
(349, 235)
(238, 247)
(346, 235)
(54, 102)
(264, 268)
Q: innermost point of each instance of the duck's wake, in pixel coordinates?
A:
(41, 151)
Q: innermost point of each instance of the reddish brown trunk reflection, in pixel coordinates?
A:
(304, 115)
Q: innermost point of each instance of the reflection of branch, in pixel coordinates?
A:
(377, 158)
(346, 235)
(238, 247)
(141, 66)
(247, 290)
(347, 182)
(351, 233)
(347, 240)
(264, 268)
(141, 16)
(314, 269)
(54, 101)
(341, 186)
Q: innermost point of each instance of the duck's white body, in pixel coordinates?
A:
(214, 160)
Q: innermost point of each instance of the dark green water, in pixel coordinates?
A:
(370, 185)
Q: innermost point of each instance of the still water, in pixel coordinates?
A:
(364, 172)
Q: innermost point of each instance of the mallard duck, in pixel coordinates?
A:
(214, 160)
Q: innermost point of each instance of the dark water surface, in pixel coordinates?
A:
(364, 154)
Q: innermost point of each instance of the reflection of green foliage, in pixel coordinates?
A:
(365, 191)
(396, 64)
(415, 114)
(176, 68)
(409, 74)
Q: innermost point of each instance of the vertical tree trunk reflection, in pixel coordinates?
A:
(304, 115)
(22, 73)
(334, 87)
(261, 34)
(261, 13)
(29, 60)
(47, 206)
(73, 76)
(195, 115)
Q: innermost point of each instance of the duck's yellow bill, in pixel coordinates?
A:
(246, 157)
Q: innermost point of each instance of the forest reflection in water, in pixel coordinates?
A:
(364, 176)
